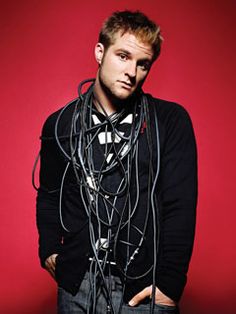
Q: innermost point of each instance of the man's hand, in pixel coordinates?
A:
(160, 298)
(50, 264)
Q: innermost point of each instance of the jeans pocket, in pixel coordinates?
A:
(145, 308)
(167, 308)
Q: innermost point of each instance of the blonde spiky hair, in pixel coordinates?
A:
(136, 23)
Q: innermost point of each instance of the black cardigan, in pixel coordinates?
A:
(176, 193)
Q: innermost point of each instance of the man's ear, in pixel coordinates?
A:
(99, 52)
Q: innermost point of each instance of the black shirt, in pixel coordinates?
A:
(175, 192)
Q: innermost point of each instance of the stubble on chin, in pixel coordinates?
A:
(114, 92)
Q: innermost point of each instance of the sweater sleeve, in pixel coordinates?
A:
(47, 202)
(177, 198)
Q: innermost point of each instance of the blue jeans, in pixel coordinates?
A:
(79, 304)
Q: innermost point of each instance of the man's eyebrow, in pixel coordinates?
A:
(124, 51)
(129, 53)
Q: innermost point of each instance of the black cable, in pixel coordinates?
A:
(112, 219)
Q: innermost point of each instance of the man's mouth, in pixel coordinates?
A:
(126, 84)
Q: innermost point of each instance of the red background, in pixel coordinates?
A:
(46, 50)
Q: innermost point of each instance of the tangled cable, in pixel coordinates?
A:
(109, 207)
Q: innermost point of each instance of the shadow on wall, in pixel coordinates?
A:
(46, 306)
(42, 306)
(193, 302)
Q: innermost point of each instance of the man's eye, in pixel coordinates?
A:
(123, 56)
(144, 66)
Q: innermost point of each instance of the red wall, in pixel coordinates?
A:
(46, 50)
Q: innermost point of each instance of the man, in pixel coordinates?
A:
(118, 184)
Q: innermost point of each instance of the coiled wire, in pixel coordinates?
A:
(90, 181)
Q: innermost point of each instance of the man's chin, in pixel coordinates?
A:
(123, 95)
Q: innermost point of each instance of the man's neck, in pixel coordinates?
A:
(102, 101)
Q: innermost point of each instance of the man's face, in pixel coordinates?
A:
(123, 66)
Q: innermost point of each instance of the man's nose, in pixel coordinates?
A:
(131, 69)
